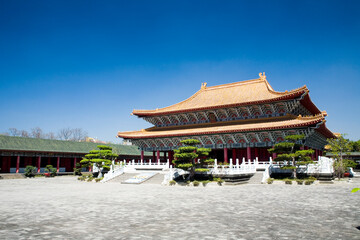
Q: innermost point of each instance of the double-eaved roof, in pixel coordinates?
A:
(9, 143)
(257, 91)
(274, 123)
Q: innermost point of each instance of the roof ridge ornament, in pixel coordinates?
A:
(262, 76)
(203, 85)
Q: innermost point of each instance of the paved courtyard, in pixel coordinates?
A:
(64, 208)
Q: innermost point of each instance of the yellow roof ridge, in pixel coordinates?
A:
(225, 96)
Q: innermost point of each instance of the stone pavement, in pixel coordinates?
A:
(64, 208)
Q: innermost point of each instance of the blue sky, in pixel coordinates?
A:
(88, 64)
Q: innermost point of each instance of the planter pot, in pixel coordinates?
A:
(47, 174)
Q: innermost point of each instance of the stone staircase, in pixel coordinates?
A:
(257, 178)
(122, 177)
(156, 179)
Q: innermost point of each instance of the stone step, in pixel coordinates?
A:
(156, 179)
(257, 178)
(122, 177)
(12, 176)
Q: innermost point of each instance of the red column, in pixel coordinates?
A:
(142, 155)
(74, 163)
(234, 156)
(17, 164)
(274, 155)
(157, 155)
(226, 155)
(171, 157)
(58, 164)
(256, 153)
(39, 163)
(248, 153)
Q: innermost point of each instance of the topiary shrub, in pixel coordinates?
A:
(300, 181)
(309, 182)
(30, 171)
(204, 183)
(220, 181)
(288, 182)
(90, 178)
(172, 183)
(196, 183)
(51, 170)
(98, 179)
(77, 170)
(270, 180)
(82, 178)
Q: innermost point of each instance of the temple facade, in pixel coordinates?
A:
(237, 120)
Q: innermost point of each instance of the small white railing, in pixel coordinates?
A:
(115, 170)
(231, 169)
(143, 165)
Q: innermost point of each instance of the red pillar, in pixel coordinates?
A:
(157, 155)
(234, 156)
(248, 153)
(171, 157)
(58, 164)
(274, 155)
(142, 155)
(74, 163)
(226, 155)
(39, 163)
(256, 153)
(17, 164)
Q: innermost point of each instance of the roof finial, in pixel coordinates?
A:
(203, 85)
(262, 76)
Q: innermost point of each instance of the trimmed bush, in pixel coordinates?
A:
(172, 183)
(288, 182)
(90, 178)
(204, 183)
(270, 180)
(309, 182)
(98, 179)
(30, 171)
(51, 170)
(300, 181)
(196, 183)
(220, 182)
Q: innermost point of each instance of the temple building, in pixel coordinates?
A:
(237, 120)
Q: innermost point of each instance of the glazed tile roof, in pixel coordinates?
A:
(227, 95)
(285, 122)
(10, 143)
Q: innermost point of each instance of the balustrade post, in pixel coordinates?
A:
(167, 163)
(237, 163)
(141, 162)
(231, 163)
(243, 161)
(133, 162)
(150, 162)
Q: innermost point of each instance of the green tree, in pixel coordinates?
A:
(102, 158)
(50, 169)
(290, 155)
(185, 158)
(339, 148)
(30, 171)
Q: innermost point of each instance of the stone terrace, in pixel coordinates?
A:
(64, 208)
